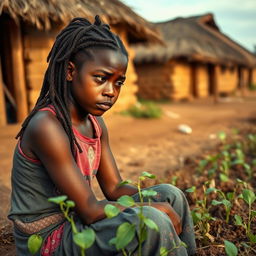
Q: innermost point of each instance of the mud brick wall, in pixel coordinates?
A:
(227, 79)
(203, 80)
(154, 81)
(181, 80)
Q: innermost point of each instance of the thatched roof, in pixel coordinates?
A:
(195, 38)
(43, 13)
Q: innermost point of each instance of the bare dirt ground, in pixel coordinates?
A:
(153, 145)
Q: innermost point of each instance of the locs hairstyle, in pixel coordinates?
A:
(70, 44)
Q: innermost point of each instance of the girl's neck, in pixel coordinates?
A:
(77, 115)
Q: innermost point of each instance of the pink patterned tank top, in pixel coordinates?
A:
(89, 159)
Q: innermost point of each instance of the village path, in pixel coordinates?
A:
(153, 145)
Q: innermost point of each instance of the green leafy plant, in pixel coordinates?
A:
(144, 109)
(83, 239)
(226, 200)
(200, 213)
(126, 231)
(249, 198)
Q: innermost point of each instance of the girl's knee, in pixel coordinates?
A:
(156, 215)
(170, 191)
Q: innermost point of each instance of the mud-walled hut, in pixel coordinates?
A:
(198, 60)
(28, 30)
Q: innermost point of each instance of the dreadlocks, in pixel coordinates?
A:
(73, 40)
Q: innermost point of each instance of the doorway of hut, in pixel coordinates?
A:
(13, 102)
(241, 79)
(6, 73)
(194, 80)
(211, 79)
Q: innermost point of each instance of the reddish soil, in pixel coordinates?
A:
(153, 145)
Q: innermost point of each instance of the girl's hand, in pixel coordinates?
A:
(174, 217)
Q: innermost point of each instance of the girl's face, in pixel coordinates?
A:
(96, 86)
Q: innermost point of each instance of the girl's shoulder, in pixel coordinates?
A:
(43, 121)
(44, 124)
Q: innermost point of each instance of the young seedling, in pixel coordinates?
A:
(200, 214)
(83, 239)
(249, 198)
(126, 231)
(226, 200)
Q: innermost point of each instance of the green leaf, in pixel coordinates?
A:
(203, 163)
(70, 203)
(84, 239)
(252, 238)
(34, 243)
(196, 216)
(126, 201)
(57, 199)
(224, 177)
(151, 224)
(230, 248)
(191, 190)
(163, 251)
(248, 196)
(230, 195)
(226, 203)
(148, 175)
(238, 220)
(215, 202)
(222, 135)
(210, 190)
(148, 192)
(125, 234)
(237, 162)
(112, 241)
(125, 182)
(111, 210)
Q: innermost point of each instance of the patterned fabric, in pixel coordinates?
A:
(88, 161)
(52, 242)
(37, 225)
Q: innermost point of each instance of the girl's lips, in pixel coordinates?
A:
(104, 106)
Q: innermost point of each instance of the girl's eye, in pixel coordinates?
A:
(100, 79)
(120, 83)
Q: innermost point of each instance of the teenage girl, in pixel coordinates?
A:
(64, 143)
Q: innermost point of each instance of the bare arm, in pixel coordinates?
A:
(50, 144)
(108, 174)
(109, 179)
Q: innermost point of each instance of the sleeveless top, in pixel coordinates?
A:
(32, 185)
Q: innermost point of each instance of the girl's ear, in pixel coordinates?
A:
(70, 71)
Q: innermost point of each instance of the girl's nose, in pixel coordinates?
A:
(109, 90)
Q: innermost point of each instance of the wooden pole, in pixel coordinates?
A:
(3, 119)
(18, 71)
(194, 88)
(215, 84)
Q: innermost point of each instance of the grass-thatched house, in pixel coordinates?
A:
(28, 30)
(198, 61)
